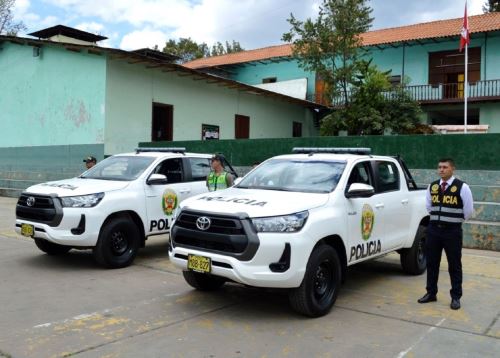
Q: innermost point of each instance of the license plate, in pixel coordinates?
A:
(27, 230)
(199, 263)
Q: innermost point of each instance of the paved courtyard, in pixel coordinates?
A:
(68, 306)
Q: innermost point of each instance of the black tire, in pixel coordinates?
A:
(118, 243)
(321, 284)
(202, 281)
(413, 259)
(50, 248)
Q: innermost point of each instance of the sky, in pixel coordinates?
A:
(134, 24)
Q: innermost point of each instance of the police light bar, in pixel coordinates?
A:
(161, 150)
(306, 150)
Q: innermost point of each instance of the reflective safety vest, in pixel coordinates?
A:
(448, 207)
(216, 182)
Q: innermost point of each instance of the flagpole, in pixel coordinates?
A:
(466, 85)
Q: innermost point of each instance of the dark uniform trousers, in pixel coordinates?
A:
(449, 238)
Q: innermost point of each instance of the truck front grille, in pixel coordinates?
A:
(39, 208)
(229, 235)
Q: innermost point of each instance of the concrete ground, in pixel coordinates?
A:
(68, 306)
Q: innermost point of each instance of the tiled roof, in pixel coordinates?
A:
(428, 30)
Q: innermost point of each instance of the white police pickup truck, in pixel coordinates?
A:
(114, 206)
(297, 221)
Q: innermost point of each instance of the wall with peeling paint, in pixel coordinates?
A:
(132, 89)
(56, 98)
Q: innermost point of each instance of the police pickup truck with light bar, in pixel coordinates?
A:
(113, 207)
(298, 221)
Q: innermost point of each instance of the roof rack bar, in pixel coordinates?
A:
(311, 150)
(161, 150)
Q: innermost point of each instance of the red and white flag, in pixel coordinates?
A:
(464, 34)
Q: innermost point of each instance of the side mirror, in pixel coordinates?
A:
(360, 190)
(157, 179)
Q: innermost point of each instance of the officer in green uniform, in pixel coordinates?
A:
(218, 178)
(449, 202)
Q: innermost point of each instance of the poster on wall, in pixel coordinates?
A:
(209, 132)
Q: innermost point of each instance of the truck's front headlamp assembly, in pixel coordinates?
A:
(286, 223)
(83, 201)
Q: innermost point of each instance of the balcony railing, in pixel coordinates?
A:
(488, 90)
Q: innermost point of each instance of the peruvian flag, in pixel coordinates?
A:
(464, 34)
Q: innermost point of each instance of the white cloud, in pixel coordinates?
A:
(92, 27)
(143, 38)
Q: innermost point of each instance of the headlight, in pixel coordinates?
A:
(287, 223)
(83, 201)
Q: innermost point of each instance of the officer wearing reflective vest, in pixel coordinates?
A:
(449, 202)
(218, 178)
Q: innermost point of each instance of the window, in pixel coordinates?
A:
(162, 126)
(269, 80)
(297, 129)
(200, 167)
(388, 178)
(241, 127)
(172, 169)
(119, 168)
(360, 174)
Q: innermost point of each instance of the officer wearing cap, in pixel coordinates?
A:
(90, 162)
(218, 178)
(449, 202)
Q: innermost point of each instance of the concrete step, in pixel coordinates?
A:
(488, 212)
(16, 184)
(471, 177)
(9, 192)
(38, 176)
(481, 235)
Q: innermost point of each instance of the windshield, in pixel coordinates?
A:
(118, 168)
(295, 175)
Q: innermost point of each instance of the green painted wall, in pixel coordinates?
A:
(490, 114)
(131, 90)
(471, 151)
(54, 99)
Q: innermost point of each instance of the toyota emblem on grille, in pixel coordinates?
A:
(203, 223)
(30, 201)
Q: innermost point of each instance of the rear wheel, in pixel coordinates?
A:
(320, 286)
(413, 259)
(203, 282)
(118, 243)
(50, 248)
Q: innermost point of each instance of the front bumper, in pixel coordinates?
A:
(257, 271)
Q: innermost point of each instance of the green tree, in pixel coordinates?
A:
(7, 26)
(189, 50)
(491, 6)
(330, 46)
(375, 106)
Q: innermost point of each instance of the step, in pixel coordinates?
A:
(488, 212)
(481, 235)
(471, 177)
(38, 176)
(9, 192)
(16, 184)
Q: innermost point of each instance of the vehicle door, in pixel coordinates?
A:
(395, 203)
(365, 218)
(196, 170)
(162, 199)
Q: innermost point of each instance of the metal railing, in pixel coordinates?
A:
(440, 93)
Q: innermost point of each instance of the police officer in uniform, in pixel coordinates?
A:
(449, 202)
(218, 178)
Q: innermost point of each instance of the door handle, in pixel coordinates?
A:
(404, 201)
(379, 206)
(184, 191)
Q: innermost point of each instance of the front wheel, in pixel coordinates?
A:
(413, 259)
(202, 281)
(321, 284)
(50, 248)
(118, 243)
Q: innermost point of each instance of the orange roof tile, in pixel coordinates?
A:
(427, 30)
